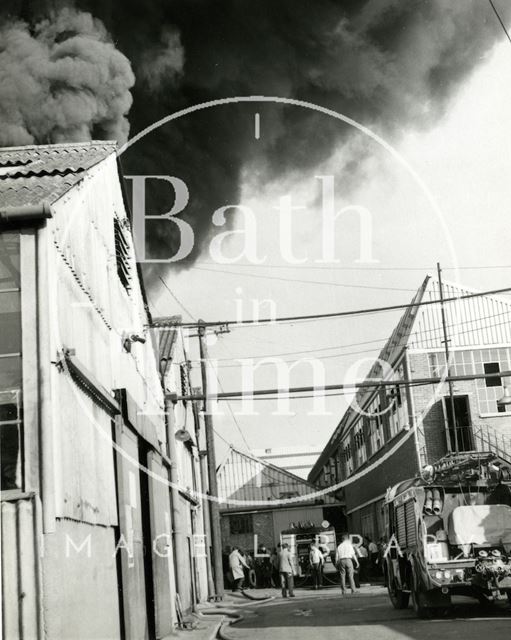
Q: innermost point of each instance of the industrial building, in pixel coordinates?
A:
(261, 499)
(390, 432)
(91, 521)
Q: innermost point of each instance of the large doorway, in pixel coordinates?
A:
(458, 431)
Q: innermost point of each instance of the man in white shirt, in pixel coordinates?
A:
(345, 558)
(316, 561)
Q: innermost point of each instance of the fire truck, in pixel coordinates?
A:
(299, 540)
(449, 533)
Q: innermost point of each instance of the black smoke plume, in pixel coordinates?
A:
(389, 64)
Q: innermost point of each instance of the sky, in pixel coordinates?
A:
(464, 161)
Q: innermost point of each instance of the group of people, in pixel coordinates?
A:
(366, 558)
(276, 568)
(271, 569)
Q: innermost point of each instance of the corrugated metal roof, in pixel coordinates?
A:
(35, 174)
(298, 460)
(391, 353)
(480, 321)
(244, 477)
(471, 322)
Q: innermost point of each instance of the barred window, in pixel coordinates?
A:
(122, 255)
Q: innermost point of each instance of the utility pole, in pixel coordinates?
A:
(216, 537)
(448, 365)
(203, 469)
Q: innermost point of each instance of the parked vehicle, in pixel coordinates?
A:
(449, 533)
(299, 540)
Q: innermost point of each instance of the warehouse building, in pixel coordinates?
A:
(390, 432)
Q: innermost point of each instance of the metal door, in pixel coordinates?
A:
(161, 543)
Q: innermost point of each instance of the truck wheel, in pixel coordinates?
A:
(398, 597)
(418, 597)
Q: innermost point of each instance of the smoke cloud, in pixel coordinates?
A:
(390, 64)
(62, 79)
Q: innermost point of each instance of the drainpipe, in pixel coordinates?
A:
(203, 476)
(25, 213)
(411, 408)
(178, 518)
(203, 461)
(44, 364)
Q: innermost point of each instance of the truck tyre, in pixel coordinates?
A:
(418, 597)
(398, 597)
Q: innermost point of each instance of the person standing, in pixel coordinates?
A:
(237, 565)
(373, 555)
(286, 571)
(263, 568)
(316, 562)
(363, 559)
(346, 560)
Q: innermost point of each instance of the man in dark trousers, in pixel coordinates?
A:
(286, 571)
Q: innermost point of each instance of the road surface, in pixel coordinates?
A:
(367, 615)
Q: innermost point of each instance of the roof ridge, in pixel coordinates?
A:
(275, 467)
(58, 145)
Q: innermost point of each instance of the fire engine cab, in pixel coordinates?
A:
(449, 533)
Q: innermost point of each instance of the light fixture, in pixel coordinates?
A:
(183, 435)
(506, 398)
(128, 340)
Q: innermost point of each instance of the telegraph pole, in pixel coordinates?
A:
(448, 365)
(216, 537)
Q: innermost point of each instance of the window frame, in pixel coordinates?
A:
(241, 517)
(29, 441)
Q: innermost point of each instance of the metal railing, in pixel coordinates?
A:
(487, 439)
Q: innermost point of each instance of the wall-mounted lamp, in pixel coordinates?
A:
(183, 435)
(129, 340)
(506, 398)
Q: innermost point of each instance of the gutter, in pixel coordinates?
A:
(26, 213)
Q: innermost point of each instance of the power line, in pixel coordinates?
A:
(230, 410)
(365, 384)
(379, 342)
(315, 282)
(273, 265)
(335, 314)
(500, 20)
(208, 360)
(177, 299)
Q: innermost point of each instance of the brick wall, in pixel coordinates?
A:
(400, 466)
(262, 524)
(430, 409)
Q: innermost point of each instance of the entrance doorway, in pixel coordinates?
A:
(460, 430)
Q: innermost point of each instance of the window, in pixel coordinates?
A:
(360, 447)
(241, 524)
(11, 428)
(122, 255)
(346, 456)
(478, 361)
(492, 367)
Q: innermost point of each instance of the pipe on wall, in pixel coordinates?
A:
(25, 213)
(178, 517)
(44, 365)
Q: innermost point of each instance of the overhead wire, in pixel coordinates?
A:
(273, 265)
(219, 383)
(379, 342)
(337, 314)
(500, 19)
(314, 282)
